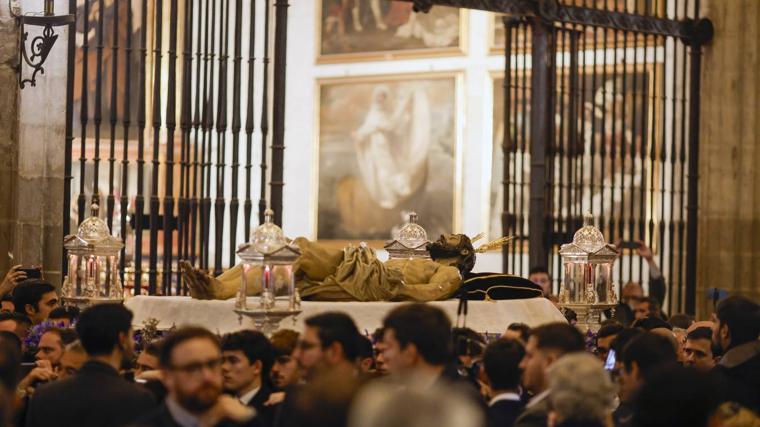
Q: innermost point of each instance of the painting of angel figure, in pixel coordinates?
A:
(372, 29)
(386, 148)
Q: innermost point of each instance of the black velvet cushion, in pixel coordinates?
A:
(497, 286)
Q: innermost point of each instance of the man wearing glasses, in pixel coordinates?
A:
(191, 368)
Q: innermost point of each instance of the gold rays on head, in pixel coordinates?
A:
(492, 245)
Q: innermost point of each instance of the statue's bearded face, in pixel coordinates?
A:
(454, 247)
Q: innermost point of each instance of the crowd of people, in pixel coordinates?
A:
(59, 367)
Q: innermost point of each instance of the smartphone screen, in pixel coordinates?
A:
(32, 273)
(609, 364)
(630, 245)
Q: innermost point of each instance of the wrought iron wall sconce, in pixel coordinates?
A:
(41, 45)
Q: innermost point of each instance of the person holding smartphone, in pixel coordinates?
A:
(632, 292)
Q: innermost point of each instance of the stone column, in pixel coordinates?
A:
(729, 175)
(32, 133)
(8, 134)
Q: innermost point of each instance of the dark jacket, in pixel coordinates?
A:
(534, 415)
(265, 414)
(503, 413)
(740, 367)
(161, 417)
(96, 396)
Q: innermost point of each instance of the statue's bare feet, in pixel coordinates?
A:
(197, 282)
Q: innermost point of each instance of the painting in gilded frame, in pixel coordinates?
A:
(378, 29)
(386, 147)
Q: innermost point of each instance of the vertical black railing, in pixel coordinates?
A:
(154, 200)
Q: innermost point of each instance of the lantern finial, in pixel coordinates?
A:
(588, 219)
(95, 206)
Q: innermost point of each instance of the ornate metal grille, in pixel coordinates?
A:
(177, 94)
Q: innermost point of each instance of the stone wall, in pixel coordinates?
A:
(729, 175)
(32, 130)
(8, 134)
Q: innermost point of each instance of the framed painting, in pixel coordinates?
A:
(362, 30)
(387, 146)
(604, 94)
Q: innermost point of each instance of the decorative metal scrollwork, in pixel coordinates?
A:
(40, 46)
(40, 49)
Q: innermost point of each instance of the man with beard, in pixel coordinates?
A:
(326, 353)
(97, 395)
(285, 372)
(191, 369)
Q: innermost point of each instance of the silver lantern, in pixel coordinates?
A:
(268, 269)
(411, 242)
(93, 260)
(587, 285)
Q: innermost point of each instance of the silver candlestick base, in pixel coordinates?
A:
(589, 315)
(267, 321)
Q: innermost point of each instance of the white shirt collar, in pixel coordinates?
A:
(538, 398)
(246, 398)
(504, 396)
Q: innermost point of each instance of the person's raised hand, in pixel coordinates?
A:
(644, 251)
(12, 278)
(227, 408)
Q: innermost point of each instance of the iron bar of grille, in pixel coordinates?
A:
(646, 82)
(583, 152)
(523, 126)
(236, 125)
(506, 143)
(514, 108)
(221, 129)
(562, 155)
(208, 117)
(592, 187)
(541, 121)
(653, 148)
(682, 165)
(603, 134)
(171, 125)
(199, 94)
(662, 158)
(139, 198)
(83, 114)
(672, 190)
(613, 136)
(249, 125)
(154, 200)
(574, 150)
(633, 154)
(693, 171)
(183, 235)
(278, 109)
(67, 163)
(264, 116)
(98, 113)
(112, 146)
(126, 123)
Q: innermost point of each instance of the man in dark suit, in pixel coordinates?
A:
(191, 369)
(96, 396)
(501, 366)
(735, 331)
(247, 361)
(545, 345)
